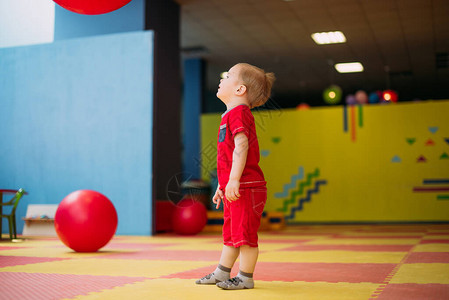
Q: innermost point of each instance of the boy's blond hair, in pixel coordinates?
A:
(258, 83)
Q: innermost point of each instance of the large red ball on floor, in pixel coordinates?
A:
(92, 7)
(189, 217)
(85, 221)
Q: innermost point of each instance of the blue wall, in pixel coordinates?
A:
(130, 17)
(77, 114)
(191, 112)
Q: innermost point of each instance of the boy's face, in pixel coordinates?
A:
(229, 85)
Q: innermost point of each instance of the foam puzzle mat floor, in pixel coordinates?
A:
(301, 262)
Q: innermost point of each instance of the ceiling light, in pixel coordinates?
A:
(332, 37)
(390, 96)
(332, 94)
(351, 67)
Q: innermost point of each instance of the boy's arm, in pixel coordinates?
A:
(218, 197)
(238, 164)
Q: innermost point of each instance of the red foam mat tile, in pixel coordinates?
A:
(291, 233)
(436, 241)
(310, 272)
(38, 286)
(283, 241)
(330, 272)
(10, 248)
(437, 233)
(428, 257)
(381, 248)
(378, 236)
(375, 229)
(8, 261)
(408, 291)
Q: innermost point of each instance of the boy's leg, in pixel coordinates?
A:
(229, 255)
(248, 258)
(250, 214)
(223, 271)
(244, 280)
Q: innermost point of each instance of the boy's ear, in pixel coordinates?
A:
(241, 90)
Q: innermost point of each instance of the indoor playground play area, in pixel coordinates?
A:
(108, 150)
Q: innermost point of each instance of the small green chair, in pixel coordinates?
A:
(12, 215)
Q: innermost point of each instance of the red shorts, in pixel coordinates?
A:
(242, 217)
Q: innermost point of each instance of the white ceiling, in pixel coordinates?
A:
(396, 41)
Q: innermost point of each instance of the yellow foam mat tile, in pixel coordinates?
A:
(436, 237)
(274, 246)
(422, 273)
(198, 246)
(392, 234)
(356, 241)
(291, 237)
(57, 252)
(219, 246)
(332, 257)
(186, 289)
(110, 267)
(11, 244)
(321, 232)
(31, 243)
(339, 227)
(431, 248)
(166, 240)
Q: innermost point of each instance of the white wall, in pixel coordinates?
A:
(26, 22)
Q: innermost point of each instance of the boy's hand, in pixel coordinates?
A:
(232, 190)
(218, 197)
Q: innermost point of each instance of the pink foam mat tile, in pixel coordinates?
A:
(408, 291)
(8, 261)
(39, 286)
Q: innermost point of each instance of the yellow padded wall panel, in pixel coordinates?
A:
(374, 163)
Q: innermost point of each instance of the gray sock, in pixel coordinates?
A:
(220, 274)
(241, 281)
(247, 279)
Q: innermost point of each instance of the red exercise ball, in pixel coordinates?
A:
(85, 221)
(189, 217)
(92, 7)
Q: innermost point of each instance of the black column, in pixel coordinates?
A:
(163, 17)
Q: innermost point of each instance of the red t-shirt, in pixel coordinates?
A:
(238, 119)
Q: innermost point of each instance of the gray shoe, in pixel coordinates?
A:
(236, 283)
(208, 279)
